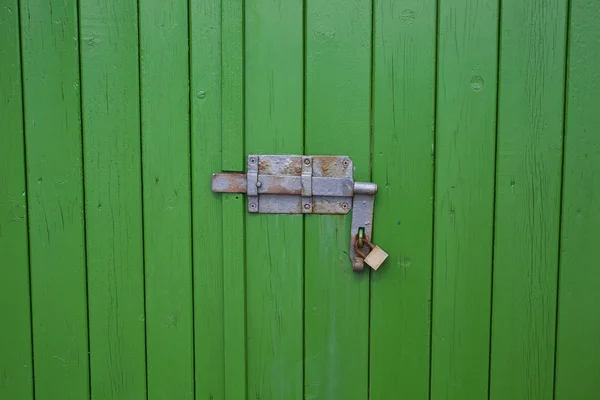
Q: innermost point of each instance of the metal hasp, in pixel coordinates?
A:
(362, 221)
(290, 184)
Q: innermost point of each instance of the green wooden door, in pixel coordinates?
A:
(123, 276)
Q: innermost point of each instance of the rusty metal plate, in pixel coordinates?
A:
(282, 184)
(293, 184)
(229, 183)
(323, 166)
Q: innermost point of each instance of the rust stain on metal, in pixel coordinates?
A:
(281, 189)
(327, 163)
(325, 207)
(264, 165)
(280, 166)
(229, 183)
(280, 184)
(294, 167)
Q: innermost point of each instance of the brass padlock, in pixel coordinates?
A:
(376, 256)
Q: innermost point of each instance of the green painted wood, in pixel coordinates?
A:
(528, 180)
(272, 318)
(234, 299)
(16, 368)
(167, 200)
(113, 197)
(464, 198)
(274, 243)
(205, 114)
(403, 122)
(232, 158)
(578, 332)
(110, 106)
(51, 89)
(338, 100)
(232, 72)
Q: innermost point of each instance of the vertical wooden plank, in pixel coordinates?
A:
(234, 299)
(403, 123)
(110, 106)
(55, 198)
(232, 158)
(274, 125)
(232, 69)
(529, 160)
(578, 346)
(205, 88)
(16, 369)
(338, 99)
(166, 194)
(464, 198)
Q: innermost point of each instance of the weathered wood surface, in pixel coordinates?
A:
(124, 276)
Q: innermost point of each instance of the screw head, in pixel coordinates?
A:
(307, 161)
(258, 184)
(307, 206)
(252, 160)
(345, 163)
(345, 206)
(252, 206)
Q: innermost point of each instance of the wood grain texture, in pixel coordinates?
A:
(403, 122)
(112, 165)
(464, 198)
(108, 223)
(205, 114)
(338, 99)
(274, 243)
(232, 71)
(55, 198)
(234, 299)
(578, 346)
(16, 368)
(528, 180)
(232, 158)
(167, 201)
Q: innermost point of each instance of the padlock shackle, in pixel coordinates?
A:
(367, 240)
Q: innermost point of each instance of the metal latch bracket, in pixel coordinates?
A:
(290, 184)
